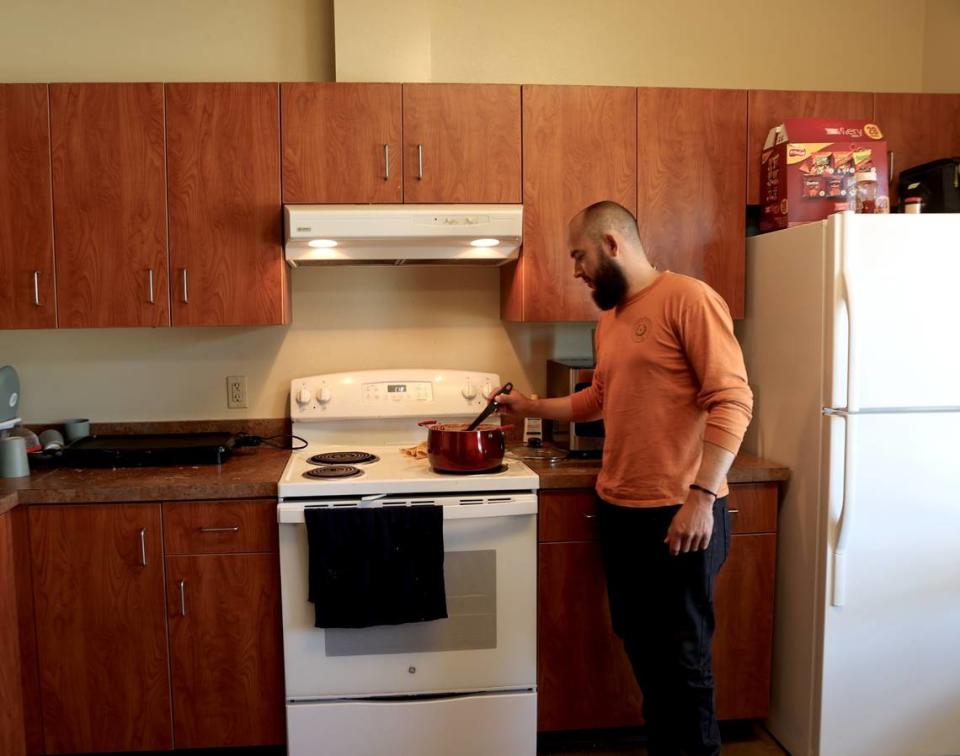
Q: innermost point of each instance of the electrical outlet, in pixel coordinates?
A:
(236, 391)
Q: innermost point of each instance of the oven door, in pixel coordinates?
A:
(488, 642)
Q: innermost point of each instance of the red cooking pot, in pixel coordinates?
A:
(453, 448)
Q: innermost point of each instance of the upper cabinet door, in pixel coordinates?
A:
(579, 147)
(767, 108)
(223, 165)
(919, 128)
(109, 204)
(341, 143)
(461, 143)
(691, 184)
(26, 218)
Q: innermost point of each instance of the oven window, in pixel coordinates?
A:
(471, 583)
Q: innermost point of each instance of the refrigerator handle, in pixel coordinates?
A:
(845, 520)
(853, 393)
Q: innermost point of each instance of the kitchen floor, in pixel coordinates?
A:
(739, 739)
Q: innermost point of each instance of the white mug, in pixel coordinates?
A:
(13, 457)
(76, 428)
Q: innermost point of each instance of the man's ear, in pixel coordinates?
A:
(610, 244)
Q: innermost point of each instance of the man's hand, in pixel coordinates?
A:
(692, 525)
(513, 403)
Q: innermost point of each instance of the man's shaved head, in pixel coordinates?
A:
(602, 217)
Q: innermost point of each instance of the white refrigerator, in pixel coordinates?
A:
(852, 343)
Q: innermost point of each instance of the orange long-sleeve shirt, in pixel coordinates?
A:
(669, 376)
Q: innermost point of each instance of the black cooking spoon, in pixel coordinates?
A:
(491, 406)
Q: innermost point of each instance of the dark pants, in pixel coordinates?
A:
(662, 608)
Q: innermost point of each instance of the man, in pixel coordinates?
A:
(671, 387)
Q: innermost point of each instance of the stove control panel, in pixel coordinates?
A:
(415, 393)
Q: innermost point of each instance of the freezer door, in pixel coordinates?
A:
(892, 281)
(890, 657)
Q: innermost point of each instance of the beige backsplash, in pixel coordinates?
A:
(343, 319)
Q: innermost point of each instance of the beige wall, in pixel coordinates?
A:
(343, 319)
(735, 43)
(359, 318)
(941, 48)
(169, 40)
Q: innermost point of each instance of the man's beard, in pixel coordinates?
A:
(609, 284)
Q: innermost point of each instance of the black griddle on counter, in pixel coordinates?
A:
(148, 450)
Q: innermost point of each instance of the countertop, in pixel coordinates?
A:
(254, 472)
(248, 473)
(582, 473)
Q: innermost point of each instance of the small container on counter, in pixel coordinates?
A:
(913, 205)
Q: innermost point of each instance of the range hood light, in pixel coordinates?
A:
(485, 243)
(322, 243)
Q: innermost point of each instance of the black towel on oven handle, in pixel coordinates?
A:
(375, 565)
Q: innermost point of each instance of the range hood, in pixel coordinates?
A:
(402, 234)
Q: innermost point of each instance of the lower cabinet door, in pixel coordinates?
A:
(101, 639)
(584, 677)
(226, 650)
(743, 642)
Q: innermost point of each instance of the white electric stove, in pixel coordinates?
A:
(460, 686)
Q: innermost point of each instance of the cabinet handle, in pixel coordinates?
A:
(150, 293)
(186, 288)
(386, 162)
(890, 157)
(419, 161)
(590, 516)
(183, 598)
(733, 511)
(36, 287)
(234, 529)
(143, 547)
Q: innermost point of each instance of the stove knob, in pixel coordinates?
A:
(487, 389)
(324, 396)
(468, 390)
(304, 395)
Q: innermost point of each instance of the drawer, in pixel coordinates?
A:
(220, 527)
(753, 507)
(567, 516)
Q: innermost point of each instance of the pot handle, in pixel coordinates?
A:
(426, 423)
(506, 427)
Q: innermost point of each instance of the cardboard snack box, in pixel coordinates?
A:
(808, 169)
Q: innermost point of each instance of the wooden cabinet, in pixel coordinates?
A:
(461, 143)
(918, 128)
(101, 627)
(767, 108)
(223, 603)
(579, 147)
(223, 171)
(26, 215)
(12, 735)
(585, 680)
(427, 143)
(110, 222)
(691, 164)
(341, 143)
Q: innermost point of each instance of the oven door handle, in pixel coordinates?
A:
(291, 512)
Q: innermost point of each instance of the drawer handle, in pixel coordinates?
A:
(234, 529)
(590, 516)
(733, 511)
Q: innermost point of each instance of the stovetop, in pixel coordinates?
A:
(391, 472)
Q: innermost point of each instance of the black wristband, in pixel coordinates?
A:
(698, 487)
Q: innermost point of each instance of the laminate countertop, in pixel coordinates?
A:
(248, 473)
(582, 473)
(253, 473)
